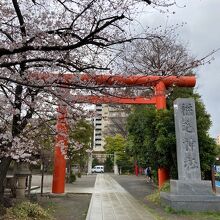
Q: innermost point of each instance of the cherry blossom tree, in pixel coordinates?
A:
(54, 36)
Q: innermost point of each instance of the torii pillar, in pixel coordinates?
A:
(59, 172)
(160, 93)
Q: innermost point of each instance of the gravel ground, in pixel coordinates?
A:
(70, 206)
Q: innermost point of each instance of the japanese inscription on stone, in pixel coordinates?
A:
(186, 139)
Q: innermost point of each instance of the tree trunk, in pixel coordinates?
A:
(70, 170)
(4, 165)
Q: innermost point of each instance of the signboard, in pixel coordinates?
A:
(217, 169)
(217, 175)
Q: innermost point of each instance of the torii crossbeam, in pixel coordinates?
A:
(94, 99)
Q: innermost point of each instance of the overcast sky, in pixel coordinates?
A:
(202, 35)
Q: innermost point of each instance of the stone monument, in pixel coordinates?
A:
(189, 192)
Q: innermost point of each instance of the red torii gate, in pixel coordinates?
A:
(160, 83)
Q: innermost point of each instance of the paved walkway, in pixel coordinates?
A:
(110, 201)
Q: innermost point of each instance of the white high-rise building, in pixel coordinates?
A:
(109, 120)
(98, 124)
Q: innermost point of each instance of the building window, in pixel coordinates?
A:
(98, 139)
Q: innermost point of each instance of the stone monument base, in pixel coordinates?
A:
(191, 203)
(191, 196)
(189, 187)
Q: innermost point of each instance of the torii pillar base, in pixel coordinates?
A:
(59, 174)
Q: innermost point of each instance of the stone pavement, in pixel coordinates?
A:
(110, 201)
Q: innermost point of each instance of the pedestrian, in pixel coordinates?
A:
(148, 174)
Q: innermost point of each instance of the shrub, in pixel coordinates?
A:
(2, 210)
(154, 197)
(165, 187)
(27, 211)
(72, 178)
(79, 175)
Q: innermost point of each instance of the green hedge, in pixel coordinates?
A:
(27, 211)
